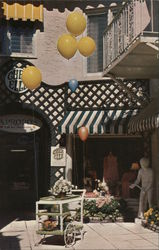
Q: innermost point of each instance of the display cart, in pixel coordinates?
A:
(59, 213)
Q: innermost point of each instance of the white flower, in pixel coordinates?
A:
(102, 186)
(61, 186)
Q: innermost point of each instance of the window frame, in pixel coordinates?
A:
(7, 53)
(93, 12)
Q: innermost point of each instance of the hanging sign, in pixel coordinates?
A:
(13, 80)
(18, 123)
(58, 156)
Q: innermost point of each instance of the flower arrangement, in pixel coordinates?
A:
(61, 187)
(107, 210)
(151, 218)
(101, 188)
(104, 208)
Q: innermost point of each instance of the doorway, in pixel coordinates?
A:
(89, 155)
(24, 168)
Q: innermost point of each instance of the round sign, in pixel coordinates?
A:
(13, 80)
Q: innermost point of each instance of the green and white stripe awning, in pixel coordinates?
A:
(147, 119)
(97, 122)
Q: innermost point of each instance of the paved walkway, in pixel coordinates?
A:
(20, 234)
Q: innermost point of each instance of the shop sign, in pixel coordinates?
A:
(58, 156)
(14, 82)
(17, 123)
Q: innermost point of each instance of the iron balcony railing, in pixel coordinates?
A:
(136, 18)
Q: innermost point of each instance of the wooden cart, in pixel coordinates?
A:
(59, 209)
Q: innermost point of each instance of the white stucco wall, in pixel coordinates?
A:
(55, 68)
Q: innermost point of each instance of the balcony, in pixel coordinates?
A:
(131, 41)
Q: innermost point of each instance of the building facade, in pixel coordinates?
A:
(39, 127)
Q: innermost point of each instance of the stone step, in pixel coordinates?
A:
(132, 206)
(132, 202)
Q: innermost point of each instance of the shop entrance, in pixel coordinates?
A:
(89, 156)
(24, 168)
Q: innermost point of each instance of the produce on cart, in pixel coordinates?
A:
(55, 213)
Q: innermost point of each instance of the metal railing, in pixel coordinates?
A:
(136, 18)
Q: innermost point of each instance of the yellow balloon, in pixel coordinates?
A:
(76, 23)
(67, 45)
(31, 77)
(86, 46)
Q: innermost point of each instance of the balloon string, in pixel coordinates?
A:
(75, 161)
(84, 164)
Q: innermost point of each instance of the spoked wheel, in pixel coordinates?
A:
(69, 235)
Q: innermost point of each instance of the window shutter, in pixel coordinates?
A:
(95, 28)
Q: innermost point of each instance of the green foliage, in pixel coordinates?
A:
(109, 211)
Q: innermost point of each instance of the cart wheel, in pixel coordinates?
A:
(69, 235)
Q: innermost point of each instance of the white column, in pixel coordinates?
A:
(155, 164)
(154, 87)
(69, 153)
(154, 92)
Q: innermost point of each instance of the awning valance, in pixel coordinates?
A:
(27, 11)
(97, 122)
(147, 119)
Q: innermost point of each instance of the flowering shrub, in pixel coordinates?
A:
(152, 216)
(61, 187)
(102, 208)
(105, 208)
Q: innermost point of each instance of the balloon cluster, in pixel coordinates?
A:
(67, 44)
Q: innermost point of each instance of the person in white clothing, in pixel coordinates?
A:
(145, 177)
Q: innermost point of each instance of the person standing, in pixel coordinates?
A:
(145, 177)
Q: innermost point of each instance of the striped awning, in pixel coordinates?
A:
(97, 122)
(146, 120)
(27, 11)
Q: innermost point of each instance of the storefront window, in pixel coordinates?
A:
(89, 160)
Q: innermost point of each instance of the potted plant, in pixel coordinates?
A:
(61, 188)
(151, 219)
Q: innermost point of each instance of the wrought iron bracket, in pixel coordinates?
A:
(131, 95)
